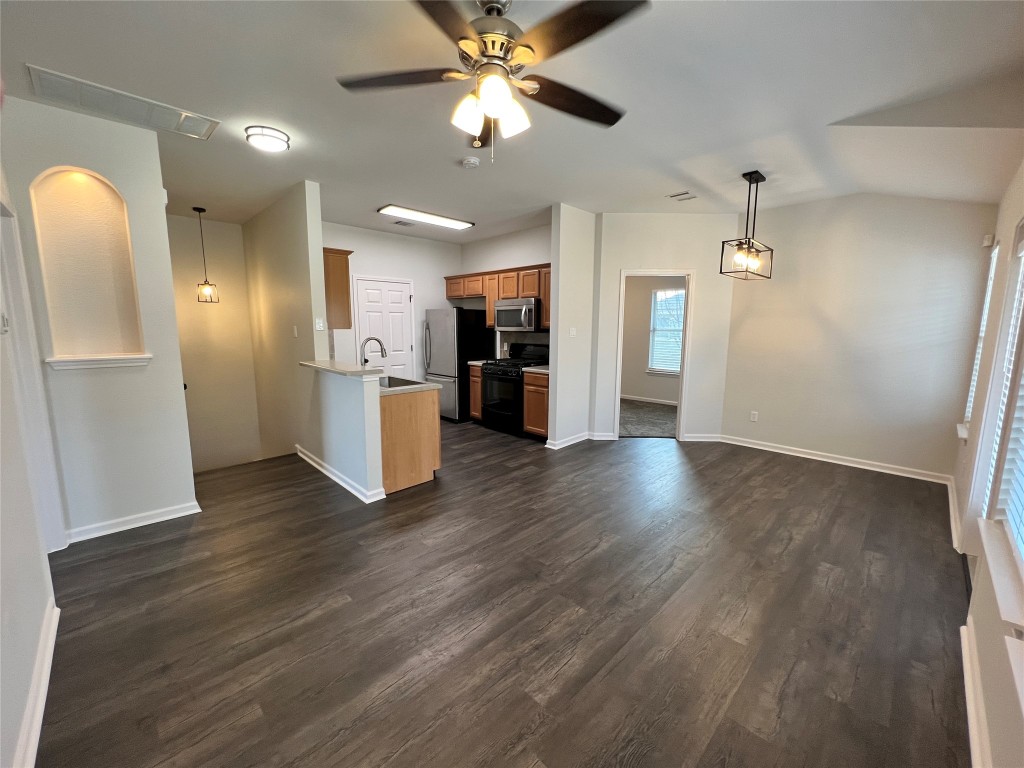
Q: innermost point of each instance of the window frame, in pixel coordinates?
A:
(654, 328)
(982, 331)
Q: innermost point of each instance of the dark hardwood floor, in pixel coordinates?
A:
(630, 603)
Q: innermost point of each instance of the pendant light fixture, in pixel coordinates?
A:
(745, 258)
(206, 291)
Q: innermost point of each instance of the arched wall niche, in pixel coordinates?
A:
(88, 270)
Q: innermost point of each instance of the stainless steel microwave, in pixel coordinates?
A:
(517, 315)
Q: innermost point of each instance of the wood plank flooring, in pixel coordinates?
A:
(630, 603)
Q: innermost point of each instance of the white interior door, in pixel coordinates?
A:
(384, 310)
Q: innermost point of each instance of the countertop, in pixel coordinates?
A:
(476, 362)
(343, 369)
(425, 386)
(538, 369)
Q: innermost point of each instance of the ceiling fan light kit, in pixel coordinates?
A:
(746, 258)
(493, 51)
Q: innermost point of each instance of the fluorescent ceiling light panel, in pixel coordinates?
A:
(424, 217)
(118, 105)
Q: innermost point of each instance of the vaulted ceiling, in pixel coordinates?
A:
(826, 98)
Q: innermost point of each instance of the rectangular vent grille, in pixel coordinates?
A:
(405, 223)
(119, 105)
(682, 197)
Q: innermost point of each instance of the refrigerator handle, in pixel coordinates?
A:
(426, 346)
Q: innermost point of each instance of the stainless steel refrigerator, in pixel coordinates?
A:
(451, 338)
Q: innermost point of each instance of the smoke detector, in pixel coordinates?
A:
(469, 163)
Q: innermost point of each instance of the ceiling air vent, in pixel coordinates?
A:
(682, 197)
(118, 105)
(405, 223)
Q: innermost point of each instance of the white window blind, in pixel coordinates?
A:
(1006, 382)
(993, 260)
(1010, 503)
(667, 315)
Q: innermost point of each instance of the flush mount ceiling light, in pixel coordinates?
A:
(745, 258)
(268, 139)
(424, 217)
(205, 291)
(494, 51)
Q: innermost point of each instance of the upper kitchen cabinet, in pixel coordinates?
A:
(473, 286)
(454, 287)
(491, 295)
(545, 297)
(529, 284)
(508, 285)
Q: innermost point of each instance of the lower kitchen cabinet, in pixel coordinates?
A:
(475, 392)
(535, 403)
(410, 438)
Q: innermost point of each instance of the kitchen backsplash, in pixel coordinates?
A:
(521, 337)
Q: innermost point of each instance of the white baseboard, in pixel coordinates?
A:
(648, 400)
(954, 518)
(32, 719)
(877, 466)
(603, 436)
(132, 521)
(977, 725)
(364, 495)
(702, 438)
(567, 441)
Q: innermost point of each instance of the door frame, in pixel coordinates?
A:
(31, 395)
(356, 314)
(687, 314)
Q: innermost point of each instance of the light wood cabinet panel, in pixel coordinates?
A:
(529, 284)
(476, 394)
(410, 438)
(535, 404)
(491, 294)
(545, 297)
(454, 287)
(508, 285)
(473, 286)
(336, 288)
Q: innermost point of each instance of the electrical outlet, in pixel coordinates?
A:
(753, 415)
(572, 333)
(321, 325)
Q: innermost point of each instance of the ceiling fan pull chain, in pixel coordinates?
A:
(494, 139)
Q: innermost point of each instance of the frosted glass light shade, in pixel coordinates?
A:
(495, 95)
(514, 121)
(469, 115)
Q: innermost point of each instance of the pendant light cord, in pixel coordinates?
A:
(202, 242)
(753, 226)
(746, 224)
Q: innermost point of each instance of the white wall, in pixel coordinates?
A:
(517, 249)
(573, 255)
(382, 254)
(121, 433)
(27, 612)
(678, 242)
(284, 264)
(216, 343)
(861, 343)
(637, 381)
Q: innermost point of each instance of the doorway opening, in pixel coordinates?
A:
(653, 310)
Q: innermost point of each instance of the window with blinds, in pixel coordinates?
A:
(1009, 456)
(993, 260)
(1005, 374)
(667, 314)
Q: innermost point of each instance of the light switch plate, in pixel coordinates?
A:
(320, 324)
(572, 333)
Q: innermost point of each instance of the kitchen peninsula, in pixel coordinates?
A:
(370, 433)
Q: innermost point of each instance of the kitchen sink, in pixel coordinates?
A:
(394, 382)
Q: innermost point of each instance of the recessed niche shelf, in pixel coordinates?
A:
(88, 270)
(98, 361)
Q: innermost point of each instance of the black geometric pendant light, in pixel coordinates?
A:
(206, 291)
(745, 258)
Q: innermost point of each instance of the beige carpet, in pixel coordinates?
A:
(637, 419)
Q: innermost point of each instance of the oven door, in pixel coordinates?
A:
(502, 403)
(521, 317)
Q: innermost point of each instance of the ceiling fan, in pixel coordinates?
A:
(494, 51)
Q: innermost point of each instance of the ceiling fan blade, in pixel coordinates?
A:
(561, 97)
(524, 86)
(575, 24)
(448, 19)
(485, 135)
(393, 79)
